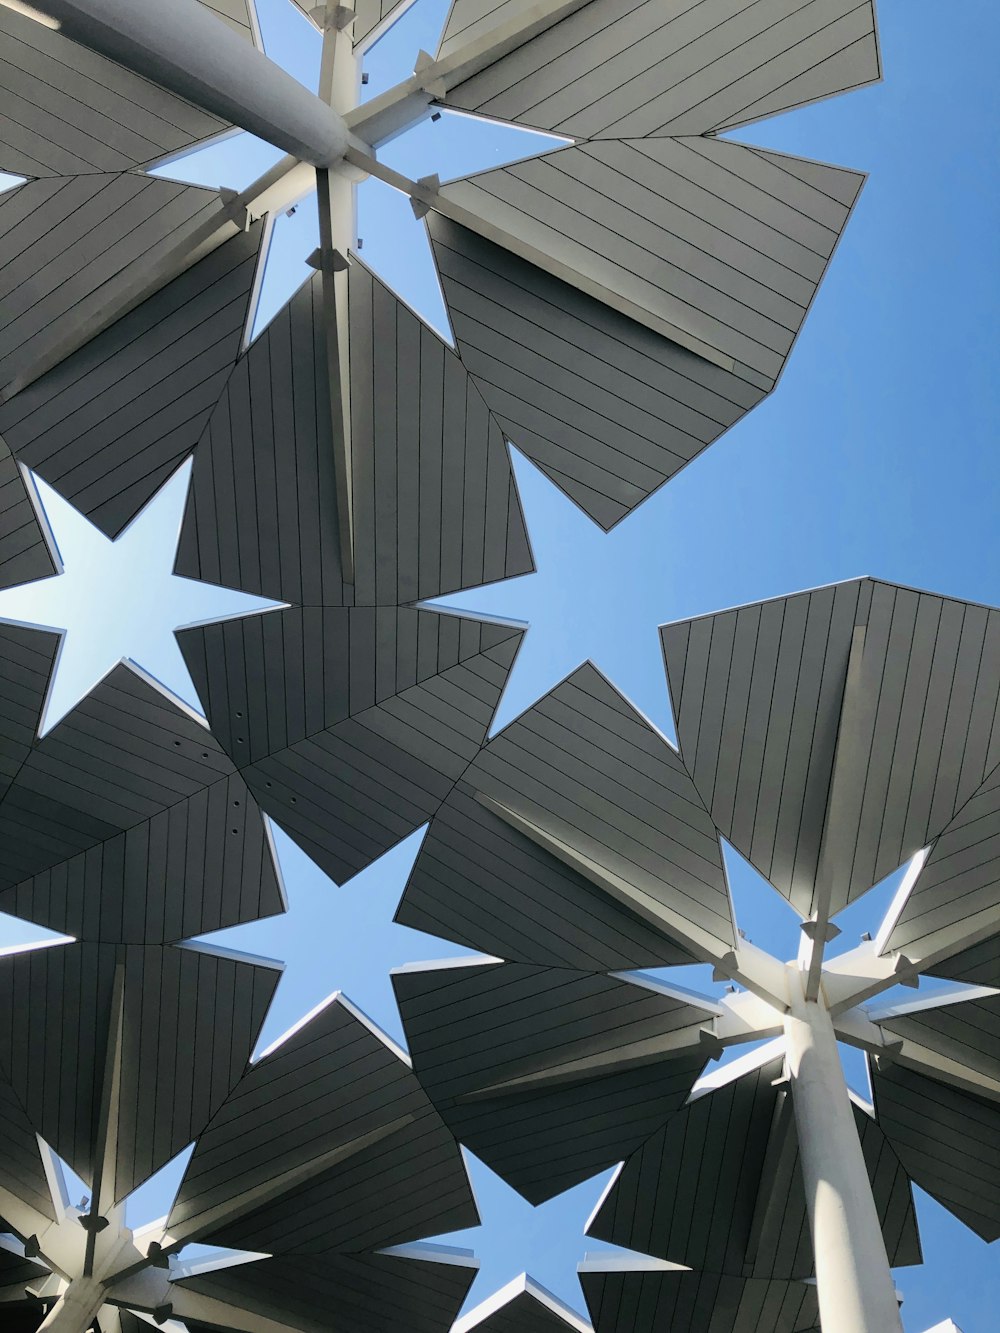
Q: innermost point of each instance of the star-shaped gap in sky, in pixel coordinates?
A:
(336, 938)
(395, 244)
(580, 605)
(546, 1243)
(118, 600)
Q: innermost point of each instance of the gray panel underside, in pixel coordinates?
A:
(469, 1027)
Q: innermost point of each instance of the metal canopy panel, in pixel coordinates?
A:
(66, 262)
(372, 14)
(28, 658)
(323, 1139)
(979, 965)
(200, 865)
(435, 503)
(20, 1159)
(738, 284)
(349, 715)
(583, 765)
(126, 823)
(607, 408)
(69, 111)
(758, 694)
(698, 1303)
(414, 694)
(968, 1032)
(190, 1023)
(471, 1028)
(348, 1293)
(626, 68)
(958, 886)
(107, 426)
(948, 1141)
(24, 554)
(719, 1189)
(240, 15)
(109, 765)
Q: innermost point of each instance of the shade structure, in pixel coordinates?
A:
(370, 1167)
(551, 824)
(617, 304)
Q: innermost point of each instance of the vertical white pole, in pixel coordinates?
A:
(854, 1282)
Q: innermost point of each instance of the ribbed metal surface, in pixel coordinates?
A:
(122, 756)
(190, 1023)
(20, 1160)
(329, 1084)
(344, 1293)
(958, 883)
(361, 768)
(435, 504)
(719, 1189)
(607, 408)
(645, 220)
(66, 261)
(587, 768)
(200, 865)
(524, 1313)
(238, 14)
(68, 111)
(109, 424)
(623, 68)
(698, 1303)
(24, 555)
(947, 1141)
(968, 1032)
(371, 13)
(469, 1028)
(758, 693)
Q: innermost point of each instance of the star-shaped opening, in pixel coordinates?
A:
(336, 938)
(118, 600)
(544, 1243)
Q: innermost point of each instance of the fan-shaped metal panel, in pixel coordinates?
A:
(107, 426)
(477, 1028)
(624, 68)
(948, 1142)
(583, 765)
(759, 692)
(699, 1303)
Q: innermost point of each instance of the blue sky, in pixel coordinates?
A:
(876, 455)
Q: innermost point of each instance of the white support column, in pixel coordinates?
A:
(77, 1308)
(339, 84)
(854, 1282)
(188, 50)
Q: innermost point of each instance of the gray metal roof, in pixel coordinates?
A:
(629, 68)
(521, 1061)
(698, 1303)
(109, 425)
(758, 693)
(719, 1189)
(126, 823)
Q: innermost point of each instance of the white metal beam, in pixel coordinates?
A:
(190, 51)
(751, 967)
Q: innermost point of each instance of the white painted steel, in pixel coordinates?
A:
(191, 52)
(854, 1282)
